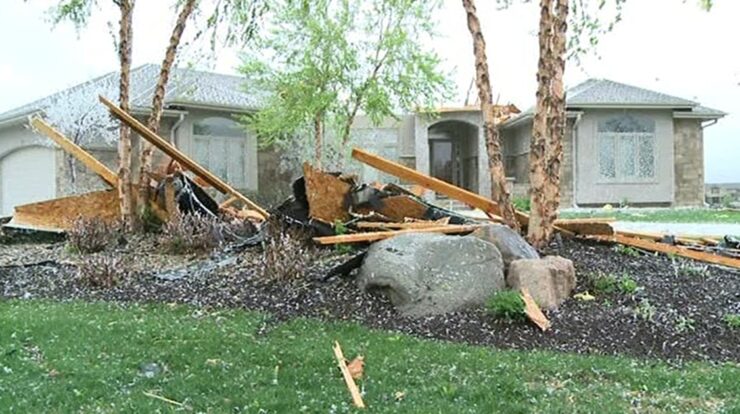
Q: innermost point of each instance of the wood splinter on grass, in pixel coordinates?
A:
(167, 400)
(533, 311)
(351, 385)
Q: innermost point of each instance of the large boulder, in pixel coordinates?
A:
(427, 274)
(511, 245)
(549, 280)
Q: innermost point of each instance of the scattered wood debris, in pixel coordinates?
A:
(533, 311)
(380, 235)
(351, 385)
(327, 195)
(357, 367)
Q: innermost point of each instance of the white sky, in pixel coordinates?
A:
(666, 45)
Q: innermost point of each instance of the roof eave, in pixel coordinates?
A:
(529, 115)
(17, 119)
(705, 116)
(628, 106)
(213, 107)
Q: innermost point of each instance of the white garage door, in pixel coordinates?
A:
(26, 176)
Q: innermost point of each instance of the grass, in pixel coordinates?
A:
(82, 357)
(676, 215)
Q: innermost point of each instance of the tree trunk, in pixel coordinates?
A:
(546, 148)
(158, 99)
(125, 192)
(499, 190)
(318, 129)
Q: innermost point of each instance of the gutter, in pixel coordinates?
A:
(18, 119)
(710, 123)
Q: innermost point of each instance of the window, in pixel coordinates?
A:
(626, 148)
(220, 146)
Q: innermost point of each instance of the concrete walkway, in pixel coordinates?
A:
(699, 229)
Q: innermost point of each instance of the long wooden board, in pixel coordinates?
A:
(435, 184)
(670, 249)
(76, 151)
(351, 385)
(380, 235)
(164, 146)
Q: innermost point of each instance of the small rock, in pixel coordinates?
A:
(511, 245)
(549, 280)
(427, 274)
(149, 369)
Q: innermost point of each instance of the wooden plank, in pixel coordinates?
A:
(228, 202)
(586, 227)
(351, 385)
(670, 249)
(657, 236)
(396, 226)
(60, 214)
(76, 151)
(380, 235)
(177, 155)
(533, 311)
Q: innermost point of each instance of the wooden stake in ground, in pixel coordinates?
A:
(353, 390)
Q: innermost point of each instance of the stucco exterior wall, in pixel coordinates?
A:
(592, 190)
(689, 162)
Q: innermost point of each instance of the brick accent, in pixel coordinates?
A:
(688, 147)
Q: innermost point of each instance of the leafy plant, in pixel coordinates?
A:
(732, 320)
(645, 310)
(506, 304)
(626, 250)
(684, 324)
(687, 269)
(339, 229)
(91, 235)
(602, 282)
(522, 203)
(627, 285)
(102, 271)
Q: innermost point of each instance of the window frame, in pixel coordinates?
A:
(645, 129)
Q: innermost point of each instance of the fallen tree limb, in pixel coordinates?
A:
(670, 249)
(351, 385)
(380, 235)
(177, 155)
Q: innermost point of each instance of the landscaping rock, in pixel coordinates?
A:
(426, 274)
(549, 280)
(511, 245)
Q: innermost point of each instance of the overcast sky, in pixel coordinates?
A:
(667, 45)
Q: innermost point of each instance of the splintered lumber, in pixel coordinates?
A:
(177, 155)
(380, 235)
(658, 236)
(670, 249)
(398, 208)
(60, 214)
(586, 226)
(228, 202)
(437, 185)
(397, 226)
(73, 149)
(326, 195)
(351, 385)
(533, 311)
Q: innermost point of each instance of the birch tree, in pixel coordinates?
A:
(323, 62)
(499, 188)
(78, 12)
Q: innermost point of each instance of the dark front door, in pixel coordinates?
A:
(445, 161)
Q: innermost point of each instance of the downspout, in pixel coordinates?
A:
(710, 123)
(574, 135)
(173, 130)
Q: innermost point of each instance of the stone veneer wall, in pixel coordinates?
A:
(688, 147)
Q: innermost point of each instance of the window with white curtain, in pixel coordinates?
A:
(626, 147)
(220, 146)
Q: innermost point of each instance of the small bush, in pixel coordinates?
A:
(522, 203)
(102, 271)
(627, 285)
(626, 250)
(602, 283)
(645, 310)
(285, 257)
(191, 233)
(732, 320)
(687, 269)
(506, 304)
(91, 235)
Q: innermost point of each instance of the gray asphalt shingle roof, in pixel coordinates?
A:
(185, 87)
(595, 93)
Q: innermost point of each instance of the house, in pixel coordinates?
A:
(723, 194)
(622, 143)
(199, 118)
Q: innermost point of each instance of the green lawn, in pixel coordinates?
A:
(78, 357)
(676, 215)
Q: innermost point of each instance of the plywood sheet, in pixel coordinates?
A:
(60, 214)
(326, 195)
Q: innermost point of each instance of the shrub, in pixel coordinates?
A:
(506, 304)
(285, 257)
(102, 271)
(626, 250)
(191, 233)
(602, 282)
(91, 235)
(732, 320)
(627, 285)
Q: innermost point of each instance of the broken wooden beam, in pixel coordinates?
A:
(177, 155)
(75, 150)
(533, 311)
(351, 385)
(586, 226)
(397, 226)
(380, 235)
(670, 249)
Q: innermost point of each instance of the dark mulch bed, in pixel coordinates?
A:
(686, 323)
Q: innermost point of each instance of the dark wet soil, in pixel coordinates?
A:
(676, 314)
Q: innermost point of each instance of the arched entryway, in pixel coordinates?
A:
(453, 153)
